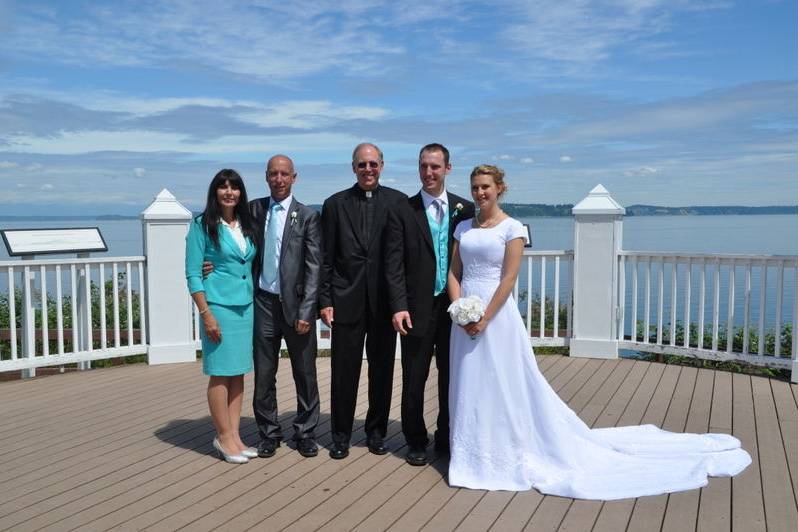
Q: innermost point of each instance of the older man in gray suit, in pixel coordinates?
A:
(287, 273)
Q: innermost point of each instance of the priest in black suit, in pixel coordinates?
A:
(353, 300)
(418, 250)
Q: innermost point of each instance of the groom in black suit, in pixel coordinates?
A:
(354, 300)
(418, 250)
(287, 273)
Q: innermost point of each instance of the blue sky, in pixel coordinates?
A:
(668, 102)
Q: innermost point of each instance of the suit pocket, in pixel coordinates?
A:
(300, 290)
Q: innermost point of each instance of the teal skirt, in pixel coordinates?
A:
(233, 355)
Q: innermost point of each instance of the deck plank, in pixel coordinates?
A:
(714, 507)
(667, 409)
(788, 421)
(780, 508)
(748, 509)
(176, 457)
(151, 467)
(682, 507)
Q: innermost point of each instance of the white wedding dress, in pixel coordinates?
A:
(510, 430)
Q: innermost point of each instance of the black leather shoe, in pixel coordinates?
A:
(307, 447)
(377, 445)
(416, 456)
(442, 446)
(267, 447)
(339, 451)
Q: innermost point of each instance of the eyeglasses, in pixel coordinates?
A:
(371, 164)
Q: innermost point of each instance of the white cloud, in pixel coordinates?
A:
(267, 40)
(143, 141)
(578, 31)
(8, 164)
(47, 186)
(506, 157)
(527, 160)
(565, 159)
(307, 114)
(139, 172)
(33, 167)
(641, 171)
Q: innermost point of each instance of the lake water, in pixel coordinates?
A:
(766, 234)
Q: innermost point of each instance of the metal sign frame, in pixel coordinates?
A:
(88, 245)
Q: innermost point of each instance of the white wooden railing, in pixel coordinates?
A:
(607, 292)
(552, 283)
(707, 296)
(60, 284)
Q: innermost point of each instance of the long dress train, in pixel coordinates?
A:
(510, 430)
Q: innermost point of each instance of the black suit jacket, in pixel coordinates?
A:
(354, 276)
(410, 257)
(300, 258)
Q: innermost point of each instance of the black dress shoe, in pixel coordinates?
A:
(416, 456)
(307, 447)
(376, 445)
(339, 451)
(267, 447)
(442, 446)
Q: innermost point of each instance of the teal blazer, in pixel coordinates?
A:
(230, 282)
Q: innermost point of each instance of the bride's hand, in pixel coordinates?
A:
(475, 327)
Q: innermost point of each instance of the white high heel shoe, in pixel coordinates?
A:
(229, 458)
(250, 452)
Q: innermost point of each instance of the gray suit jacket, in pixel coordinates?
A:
(300, 258)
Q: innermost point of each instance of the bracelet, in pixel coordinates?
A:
(201, 312)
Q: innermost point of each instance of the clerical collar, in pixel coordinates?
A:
(367, 193)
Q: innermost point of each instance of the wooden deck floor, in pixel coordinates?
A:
(129, 448)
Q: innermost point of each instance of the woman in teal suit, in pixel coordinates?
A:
(223, 235)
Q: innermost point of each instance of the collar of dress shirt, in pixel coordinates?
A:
(236, 228)
(286, 202)
(428, 198)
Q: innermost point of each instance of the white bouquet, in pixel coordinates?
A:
(467, 310)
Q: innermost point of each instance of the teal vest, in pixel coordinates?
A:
(440, 242)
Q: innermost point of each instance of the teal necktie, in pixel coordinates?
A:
(270, 262)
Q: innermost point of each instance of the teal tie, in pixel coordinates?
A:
(270, 252)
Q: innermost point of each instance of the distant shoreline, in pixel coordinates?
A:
(531, 210)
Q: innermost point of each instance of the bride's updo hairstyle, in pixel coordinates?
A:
(495, 172)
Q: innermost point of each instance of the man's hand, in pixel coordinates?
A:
(327, 316)
(207, 268)
(399, 320)
(301, 326)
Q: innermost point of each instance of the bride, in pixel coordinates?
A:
(509, 429)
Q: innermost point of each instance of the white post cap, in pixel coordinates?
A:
(165, 207)
(598, 201)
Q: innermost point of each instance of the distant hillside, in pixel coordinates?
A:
(700, 210)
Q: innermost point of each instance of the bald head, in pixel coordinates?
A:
(280, 176)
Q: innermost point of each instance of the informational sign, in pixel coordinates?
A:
(21, 242)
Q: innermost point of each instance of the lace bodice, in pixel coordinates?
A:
(482, 249)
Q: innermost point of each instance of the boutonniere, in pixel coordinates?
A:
(457, 209)
(293, 217)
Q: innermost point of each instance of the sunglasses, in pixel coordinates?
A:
(370, 164)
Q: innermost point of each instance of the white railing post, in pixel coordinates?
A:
(165, 224)
(28, 319)
(598, 229)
